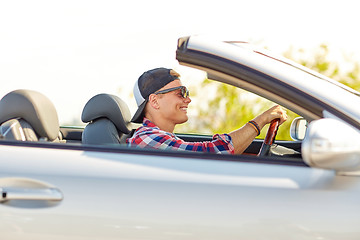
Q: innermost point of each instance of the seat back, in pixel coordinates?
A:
(108, 119)
(27, 115)
(18, 129)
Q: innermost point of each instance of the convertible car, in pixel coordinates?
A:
(84, 183)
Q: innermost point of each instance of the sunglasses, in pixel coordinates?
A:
(184, 91)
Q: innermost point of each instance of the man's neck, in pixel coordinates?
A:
(162, 124)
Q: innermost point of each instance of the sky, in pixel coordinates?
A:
(71, 50)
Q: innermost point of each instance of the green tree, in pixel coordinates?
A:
(347, 72)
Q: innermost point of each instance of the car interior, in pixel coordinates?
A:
(27, 115)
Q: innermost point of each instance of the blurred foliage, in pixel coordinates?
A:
(224, 108)
(347, 72)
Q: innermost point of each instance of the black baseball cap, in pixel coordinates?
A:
(148, 83)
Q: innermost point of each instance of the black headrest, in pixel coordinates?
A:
(108, 106)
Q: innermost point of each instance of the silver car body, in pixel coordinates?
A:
(73, 191)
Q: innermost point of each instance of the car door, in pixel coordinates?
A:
(135, 194)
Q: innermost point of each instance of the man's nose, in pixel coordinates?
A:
(187, 99)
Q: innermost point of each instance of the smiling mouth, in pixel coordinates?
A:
(184, 109)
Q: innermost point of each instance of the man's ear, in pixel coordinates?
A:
(153, 101)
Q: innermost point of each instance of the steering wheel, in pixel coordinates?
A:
(269, 139)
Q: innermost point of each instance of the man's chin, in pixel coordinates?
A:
(183, 120)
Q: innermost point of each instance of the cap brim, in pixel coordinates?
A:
(139, 115)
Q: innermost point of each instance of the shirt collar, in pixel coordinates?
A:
(148, 123)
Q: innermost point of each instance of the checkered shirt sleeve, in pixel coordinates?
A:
(149, 135)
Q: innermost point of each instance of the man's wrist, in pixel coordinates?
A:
(255, 126)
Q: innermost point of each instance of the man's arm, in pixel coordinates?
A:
(244, 136)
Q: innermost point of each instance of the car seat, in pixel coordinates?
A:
(108, 119)
(27, 115)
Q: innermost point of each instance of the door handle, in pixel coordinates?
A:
(15, 193)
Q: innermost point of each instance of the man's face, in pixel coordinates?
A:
(173, 107)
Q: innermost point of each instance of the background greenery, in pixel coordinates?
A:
(225, 108)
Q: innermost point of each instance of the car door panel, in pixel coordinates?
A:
(137, 196)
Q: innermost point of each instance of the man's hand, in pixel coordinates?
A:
(272, 113)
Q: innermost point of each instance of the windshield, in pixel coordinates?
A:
(273, 77)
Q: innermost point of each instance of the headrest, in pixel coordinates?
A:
(108, 106)
(34, 108)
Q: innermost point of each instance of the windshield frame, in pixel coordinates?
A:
(284, 82)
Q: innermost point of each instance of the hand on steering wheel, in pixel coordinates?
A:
(270, 137)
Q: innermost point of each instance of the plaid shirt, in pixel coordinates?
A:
(149, 135)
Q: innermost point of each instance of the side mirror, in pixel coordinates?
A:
(332, 144)
(298, 128)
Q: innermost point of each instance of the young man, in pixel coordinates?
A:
(162, 103)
